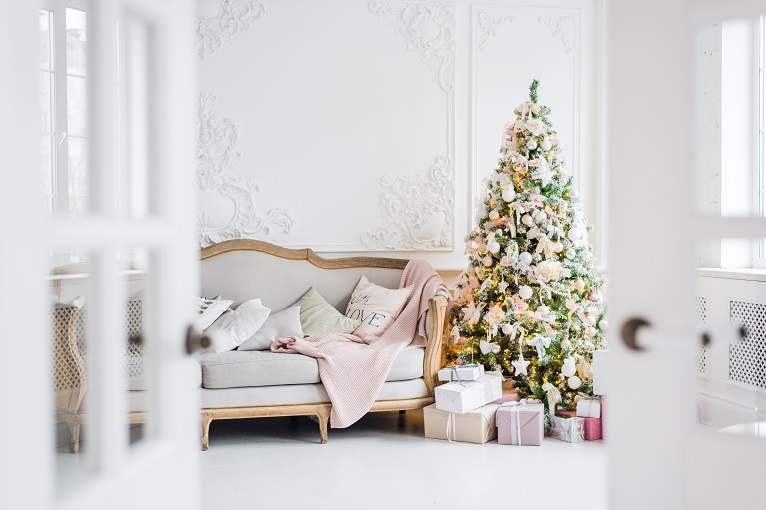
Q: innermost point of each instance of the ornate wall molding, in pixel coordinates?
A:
(217, 156)
(409, 203)
(230, 17)
(561, 29)
(489, 26)
(428, 29)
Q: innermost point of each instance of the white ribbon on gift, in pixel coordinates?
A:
(451, 427)
(515, 421)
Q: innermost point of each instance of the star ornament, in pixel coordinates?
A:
(520, 365)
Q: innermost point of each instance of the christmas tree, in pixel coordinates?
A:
(530, 302)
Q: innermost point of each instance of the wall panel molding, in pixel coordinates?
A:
(418, 211)
(220, 20)
(217, 157)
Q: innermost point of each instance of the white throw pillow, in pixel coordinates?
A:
(208, 310)
(377, 307)
(233, 327)
(280, 324)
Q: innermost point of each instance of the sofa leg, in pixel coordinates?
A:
(323, 415)
(206, 420)
(74, 436)
(402, 411)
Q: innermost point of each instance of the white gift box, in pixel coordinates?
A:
(463, 396)
(589, 408)
(469, 372)
(567, 428)
(600, 372)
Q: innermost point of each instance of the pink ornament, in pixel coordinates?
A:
(594, 296)
(566, 344)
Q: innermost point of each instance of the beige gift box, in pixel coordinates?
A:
(477, 426)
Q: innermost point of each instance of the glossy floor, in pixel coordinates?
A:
(383, 461)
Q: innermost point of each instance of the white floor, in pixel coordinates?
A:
(383, 461)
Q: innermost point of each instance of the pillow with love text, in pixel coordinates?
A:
(377, 307)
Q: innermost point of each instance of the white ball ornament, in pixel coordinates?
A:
(565, 344)
(487, 261)
(574, 194)
(531, 145)
(507, 329)
(557, 247)
(541, 216)
(579, 284)
(544, 310)
(509, 194)
(525, 292)
(590, 332)
(603, 325)
(525, 258)
(574, 382)
(493, 246)
(574, 234)
(546, 144)
(493, 214)
(571, 254)
(527, 220)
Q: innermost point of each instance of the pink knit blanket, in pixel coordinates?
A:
(352, 371)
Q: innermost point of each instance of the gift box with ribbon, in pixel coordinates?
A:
(467, 372)
(477, 426)
(567, 428)
(520, 423)
(589, 407)
(463, 396)
(591, 429)
(509, 395)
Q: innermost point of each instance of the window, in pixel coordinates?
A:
(63, 71)
(760, 101)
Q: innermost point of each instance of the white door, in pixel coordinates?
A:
(659, 456)
(160, 471)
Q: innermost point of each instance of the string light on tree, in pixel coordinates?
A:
(530, 302)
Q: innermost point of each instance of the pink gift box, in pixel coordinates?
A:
(592, 429)
(520, 423)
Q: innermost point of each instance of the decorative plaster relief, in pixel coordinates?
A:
(217, 156)
(428, 29)
(220, 20)
(489, 26)
(418, 210)
(561, 29)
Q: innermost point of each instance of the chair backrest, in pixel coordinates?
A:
(247, 269)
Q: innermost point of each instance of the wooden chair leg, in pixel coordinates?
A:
(205, 421)
(74, 436)
(323, 415)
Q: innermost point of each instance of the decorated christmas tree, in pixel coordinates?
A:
(530, 302)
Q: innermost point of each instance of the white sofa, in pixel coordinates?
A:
(251, 384)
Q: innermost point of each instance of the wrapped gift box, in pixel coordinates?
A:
(469, 372)
(589, 407)
(600, 372)
(477, 426)
(520, 423)
(567, 428)
(463, 396)
(591, 429)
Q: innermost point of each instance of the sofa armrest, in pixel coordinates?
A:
(437, 311)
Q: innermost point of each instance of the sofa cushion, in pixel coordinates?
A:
(239, 369)
(318, 316)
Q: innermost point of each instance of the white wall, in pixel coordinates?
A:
(348, 126)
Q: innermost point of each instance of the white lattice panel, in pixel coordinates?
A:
(701, 319)
(747, 358)
(70, 346)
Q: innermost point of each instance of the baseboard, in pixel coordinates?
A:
(718, 412)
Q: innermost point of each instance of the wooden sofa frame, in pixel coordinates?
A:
(437, 309)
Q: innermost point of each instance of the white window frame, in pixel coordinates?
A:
(759, 100)
(60, 150)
